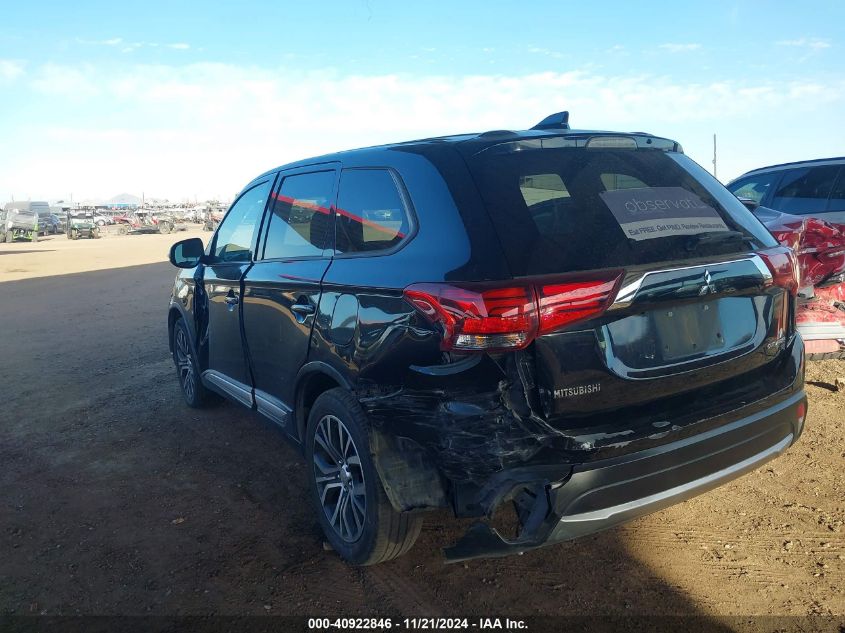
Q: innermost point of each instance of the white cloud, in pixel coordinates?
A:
(10, 69)
(680, 48)
(206, 129)
(114, 41)
(131, 47)
(812, 43)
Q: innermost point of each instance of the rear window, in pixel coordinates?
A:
(571, 209)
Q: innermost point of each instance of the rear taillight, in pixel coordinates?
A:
(566, 303)
(477, 317)
(783, 265)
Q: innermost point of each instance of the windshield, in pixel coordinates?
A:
(570, 209)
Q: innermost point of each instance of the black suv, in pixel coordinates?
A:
(576, 327)
(811, 187)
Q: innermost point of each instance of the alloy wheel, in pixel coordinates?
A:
(340, 478)
(184, 364)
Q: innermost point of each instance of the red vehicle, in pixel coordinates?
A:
(820, 248)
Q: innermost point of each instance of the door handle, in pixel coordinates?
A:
(302, 308)
(302, 311)
(231, 301)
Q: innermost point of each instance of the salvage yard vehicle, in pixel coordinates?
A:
(579, 327)
(813, 188)
(19, 220)
(820, 249)
(81, 224)
(143, 221)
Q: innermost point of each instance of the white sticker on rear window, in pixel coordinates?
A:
(646, 214)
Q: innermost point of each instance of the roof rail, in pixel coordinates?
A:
(556, 121)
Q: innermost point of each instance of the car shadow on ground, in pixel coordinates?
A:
(119, 499)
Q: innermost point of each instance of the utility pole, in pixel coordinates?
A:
(714, 156)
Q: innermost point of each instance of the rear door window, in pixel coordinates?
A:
(301, 223)
(571, 209)
(805, 190)
(371, 213)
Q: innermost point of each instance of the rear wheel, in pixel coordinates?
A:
(352, 507)
(164, 228)
(195, 393)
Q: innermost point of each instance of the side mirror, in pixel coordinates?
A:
(187, 253)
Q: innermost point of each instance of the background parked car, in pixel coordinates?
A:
(48, 222)
(811, 187)
(820, 249)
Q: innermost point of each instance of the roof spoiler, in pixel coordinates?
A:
(556, 121)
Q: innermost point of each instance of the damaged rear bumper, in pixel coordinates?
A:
(560, 502)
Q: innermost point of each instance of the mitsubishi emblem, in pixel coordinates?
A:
(708, 287)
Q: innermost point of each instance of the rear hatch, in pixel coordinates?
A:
(649, 279)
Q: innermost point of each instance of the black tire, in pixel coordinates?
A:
(95, 232)
(195, 393)
(383, 533)
(8, 238)
(164, 228)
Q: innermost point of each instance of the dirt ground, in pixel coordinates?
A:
(118, 499)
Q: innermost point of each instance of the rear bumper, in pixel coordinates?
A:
(561, 502)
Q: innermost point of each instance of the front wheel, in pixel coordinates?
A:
(352, 507)
(195, 393)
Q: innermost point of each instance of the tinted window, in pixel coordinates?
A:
(233, 241)
(754, 187)
(805, 190)
(837, 194)
(370, 213)
(301, 221)
(559, 210)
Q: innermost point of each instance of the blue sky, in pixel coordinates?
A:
(190, 99)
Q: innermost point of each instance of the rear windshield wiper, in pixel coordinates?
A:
(717, 237)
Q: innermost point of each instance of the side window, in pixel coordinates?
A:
(837, 195)
(371, 215)
(233, 241)
(301, 221)
(805, 190)
(754, 187)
